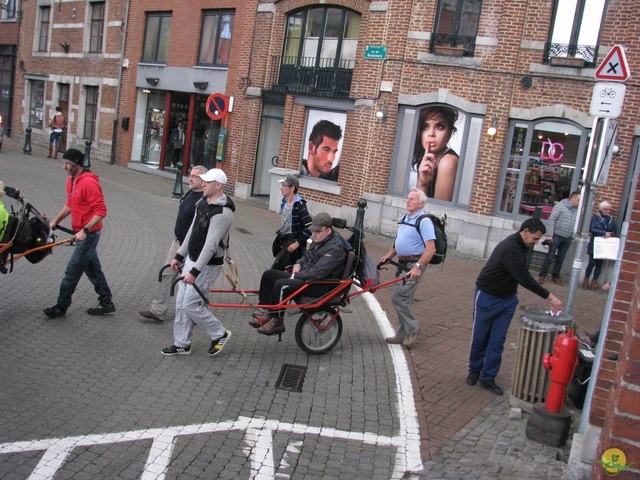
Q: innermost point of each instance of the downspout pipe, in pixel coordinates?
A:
(114, 135)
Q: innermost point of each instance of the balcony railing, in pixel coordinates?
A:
(560, 54)
(323, 77)
(455, 45)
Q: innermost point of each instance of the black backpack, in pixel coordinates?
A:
(441, 235)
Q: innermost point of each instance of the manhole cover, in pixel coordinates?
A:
(291, 377)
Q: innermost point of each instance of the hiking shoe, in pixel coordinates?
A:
(258, 322)
(410, 339)
(150, 315)
(491, 386)
(218, 344)
(102, 309)
(55, 311)
(558, 281)
(275, 326)
(540, 280)
(394, 340)
(472, 378)
(175, 350)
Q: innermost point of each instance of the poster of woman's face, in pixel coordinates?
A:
(323, 143)
(434, 164)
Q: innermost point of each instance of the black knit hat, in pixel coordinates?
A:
(74, 156)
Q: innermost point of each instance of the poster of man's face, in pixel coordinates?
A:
(323, 143)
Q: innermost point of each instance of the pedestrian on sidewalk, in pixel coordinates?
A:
(414, 248)
(291, 239)
(57, 123)
(496, 299)
(603, 224)
(85, 203)
(158, 308)
(203, 254)
(324, 259)
(560, 234)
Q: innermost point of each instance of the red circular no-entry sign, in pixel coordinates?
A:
(217, 106)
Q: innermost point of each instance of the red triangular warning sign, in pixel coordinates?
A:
(614, 66)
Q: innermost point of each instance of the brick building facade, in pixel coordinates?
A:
(9, 34)
(69, 56)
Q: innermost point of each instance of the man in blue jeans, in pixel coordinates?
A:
(561, 223)
(495, 302)
(85, 204)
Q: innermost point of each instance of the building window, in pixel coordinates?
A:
(436, 150)
(575, 32)
(540, 166)
(9, 9)
(156, 37)
(320, 51)
(36, 104)
(90, 113)
(456, 27)
(215, 38)
(43, 29)
(97, 27)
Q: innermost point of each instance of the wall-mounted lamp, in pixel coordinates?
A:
(146, 90)
(65, 47)
(152, 81)
(382, 113)
(201, 85)
(493, 128)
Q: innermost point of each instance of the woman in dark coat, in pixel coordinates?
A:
(603, 224)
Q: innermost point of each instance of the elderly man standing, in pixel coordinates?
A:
(158, 308)
(561, 222)
(415, 245)
(203, 254)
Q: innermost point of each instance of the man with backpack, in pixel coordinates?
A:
(415, 249)
(203, 254)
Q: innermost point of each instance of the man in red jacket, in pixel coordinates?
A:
(85, 204)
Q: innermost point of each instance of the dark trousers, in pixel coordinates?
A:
(84, 259)
(491, 319)
(276, 285)
(561, 246)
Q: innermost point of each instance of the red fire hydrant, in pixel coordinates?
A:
(562, 363)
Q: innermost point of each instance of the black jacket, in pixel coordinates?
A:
(323, 260)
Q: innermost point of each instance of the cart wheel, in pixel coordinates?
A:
(318, 331)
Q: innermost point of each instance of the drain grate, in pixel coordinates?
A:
(243, 230)
(291, 377)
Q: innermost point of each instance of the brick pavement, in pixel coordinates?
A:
(464, 429)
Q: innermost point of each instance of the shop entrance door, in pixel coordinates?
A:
(63, 103)
(268, 148)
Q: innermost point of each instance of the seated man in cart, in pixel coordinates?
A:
(324, 259)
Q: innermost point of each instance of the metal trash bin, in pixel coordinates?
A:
(538, 332)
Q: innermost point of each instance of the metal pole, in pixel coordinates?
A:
(86, 163)
(359, 223)
(583, 218)
(177, 186)
(27, 141)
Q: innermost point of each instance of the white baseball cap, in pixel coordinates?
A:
(214, 175)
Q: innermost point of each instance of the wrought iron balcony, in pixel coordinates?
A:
(323, 77)
(560, 54)
(455, 45)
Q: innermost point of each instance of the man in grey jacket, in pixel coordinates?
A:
(203, 254)
(324, 259)
(560, 234)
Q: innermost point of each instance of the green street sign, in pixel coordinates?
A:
(375, 52)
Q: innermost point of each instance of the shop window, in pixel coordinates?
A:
(215, 38)
(319, 52)
(456, 27)
(204, 140)
(575, 32)
(9, 9)
(90, 113)
(156, 37)
(540, 166)
(97, 27)
(154, 127)
(436, 151)
(43, 29)
(36, 104)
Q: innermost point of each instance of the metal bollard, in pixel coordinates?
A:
(177, 186)
(86, 163)
(27, 141)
